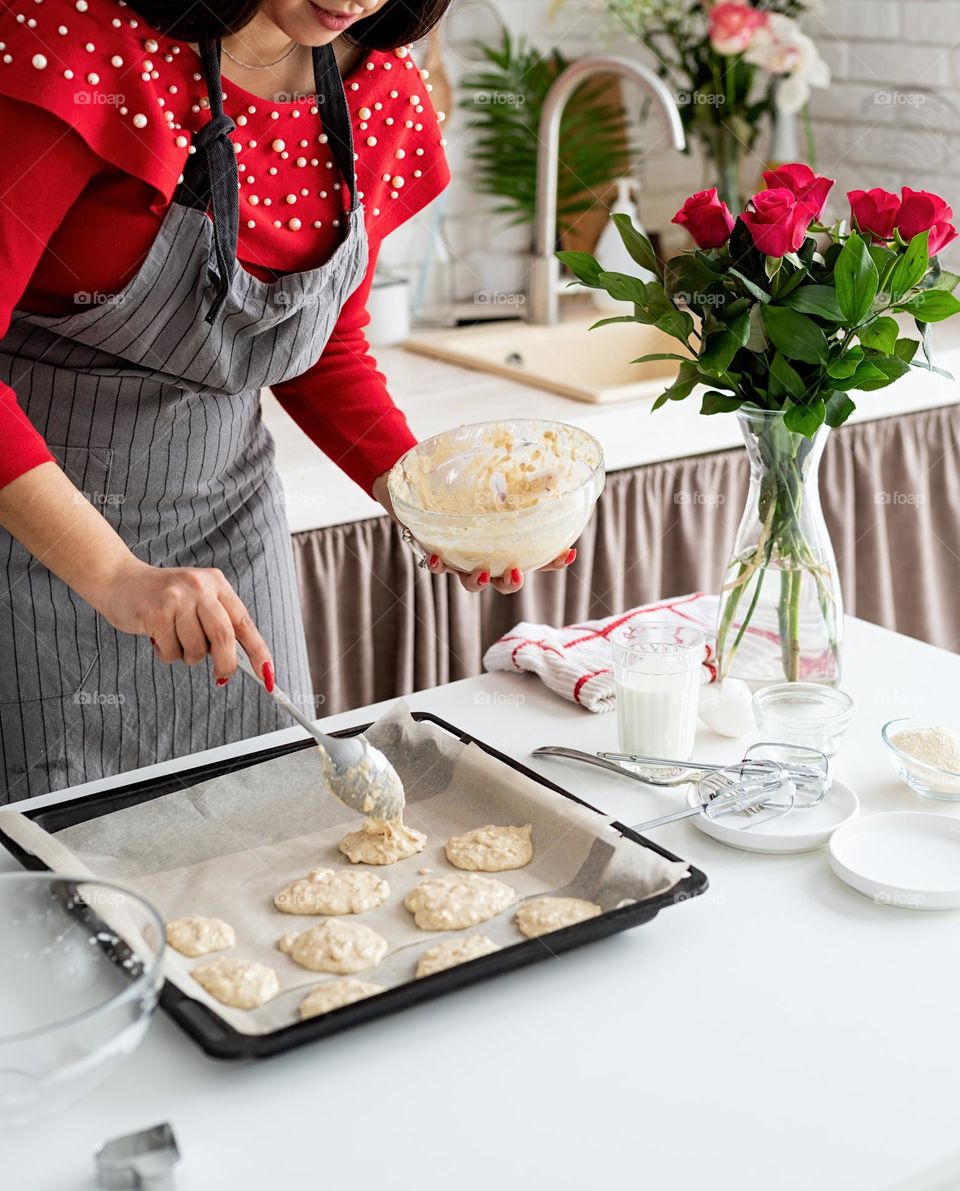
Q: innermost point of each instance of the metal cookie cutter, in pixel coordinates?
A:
(145, 1159)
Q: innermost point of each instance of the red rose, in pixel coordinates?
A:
(777, 221)
(921, 211)
(874, 211)
(706, 218)
(807, 186)
(734, 26)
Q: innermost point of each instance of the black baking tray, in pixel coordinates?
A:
(221, 1041)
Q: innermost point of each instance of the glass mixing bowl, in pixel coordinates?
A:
(499, 495)
(79, 981)
(928, 780)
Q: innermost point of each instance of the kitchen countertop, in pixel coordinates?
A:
(779, 1032)
(437, 396)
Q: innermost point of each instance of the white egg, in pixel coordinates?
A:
(727, 707)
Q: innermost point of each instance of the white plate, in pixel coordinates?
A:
(799, 831)
(905, 858)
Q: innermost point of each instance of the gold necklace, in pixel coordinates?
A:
(267, 65)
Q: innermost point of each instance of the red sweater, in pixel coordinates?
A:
(96, 116)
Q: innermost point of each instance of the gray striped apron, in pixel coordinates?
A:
(150, 403)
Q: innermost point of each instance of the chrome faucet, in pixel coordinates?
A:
(545, 273)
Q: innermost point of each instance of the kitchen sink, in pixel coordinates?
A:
(567, 358)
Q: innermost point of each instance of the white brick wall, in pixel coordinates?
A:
(891, 117)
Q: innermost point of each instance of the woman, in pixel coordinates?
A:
(178, 228)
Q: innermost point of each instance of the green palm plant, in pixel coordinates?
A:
(505, 101)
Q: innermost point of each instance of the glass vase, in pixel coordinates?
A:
(724, 161)
(781, 615)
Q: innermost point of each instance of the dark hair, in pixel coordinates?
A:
(396, 23)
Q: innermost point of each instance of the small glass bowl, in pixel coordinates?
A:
(80, 978)
(804, 713)
(499, 495)
(926, 780)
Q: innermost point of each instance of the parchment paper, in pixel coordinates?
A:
(224, 847)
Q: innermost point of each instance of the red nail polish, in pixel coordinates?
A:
(268, 677)
(483, 578)
(572, 556)
(434, 561)
(515, 577)
(222, 681)
(153, 643)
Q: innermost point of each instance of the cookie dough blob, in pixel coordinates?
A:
(457, 900)
(541, 915)
(333, 891)
(491, 849)
(195, 935)
(382, 841)
(335, 994)
(241, 983)
(451, 952)
(335, 947)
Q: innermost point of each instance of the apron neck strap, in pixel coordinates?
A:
(210, 177)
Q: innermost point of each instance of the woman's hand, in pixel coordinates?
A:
(477, 580)
(187, 612)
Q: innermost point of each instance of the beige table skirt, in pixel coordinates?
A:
(377, 626)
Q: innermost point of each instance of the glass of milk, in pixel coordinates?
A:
(657, 673)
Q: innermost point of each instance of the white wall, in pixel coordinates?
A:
(891, 116)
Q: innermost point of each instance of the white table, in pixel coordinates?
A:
(779, 1033)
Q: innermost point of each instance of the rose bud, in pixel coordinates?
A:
(921, 211)
(874, 212)
(706, 218)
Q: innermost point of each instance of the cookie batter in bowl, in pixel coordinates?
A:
(499, 494)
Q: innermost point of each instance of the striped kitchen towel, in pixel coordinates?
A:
(576, 661)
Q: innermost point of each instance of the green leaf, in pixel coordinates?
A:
(637, 244)
(820, 300)
(757, 337)
(845, 365)
(676, 323)
(787, 379)
(806, 419)
(623, 287)
(795, 334)
(839, 407)
(876, 372)
(910, 267)
(931, 305)
(686, 381)
(906, 349)
(615, 318)
(719, 403)
(659, 356)
(718, 351)
(750, 286)
(942, 280)
(583, 266)
(881, 335)
(856, 279)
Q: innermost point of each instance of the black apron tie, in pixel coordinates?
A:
(210, 176)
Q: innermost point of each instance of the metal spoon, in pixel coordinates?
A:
(559, 750)
(357, 774)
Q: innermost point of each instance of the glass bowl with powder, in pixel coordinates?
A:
(499, 495)
(926, 756)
